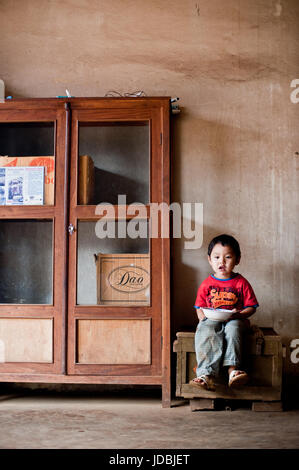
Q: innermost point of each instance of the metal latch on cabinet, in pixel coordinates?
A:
(71, 229)
(175, 109)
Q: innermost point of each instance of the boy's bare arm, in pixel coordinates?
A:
(241, 314)
(201, 316)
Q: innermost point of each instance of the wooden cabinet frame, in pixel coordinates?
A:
(65, 313)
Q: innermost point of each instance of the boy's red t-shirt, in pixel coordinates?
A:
(235, 292)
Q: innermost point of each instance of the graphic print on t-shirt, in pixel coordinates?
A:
(223, 296)
(227, 293)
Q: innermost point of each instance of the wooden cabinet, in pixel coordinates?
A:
(84, 293)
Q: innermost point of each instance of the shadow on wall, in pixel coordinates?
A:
(184, 288)
(278, 307)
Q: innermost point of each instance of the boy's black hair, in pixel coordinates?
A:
(225, 240)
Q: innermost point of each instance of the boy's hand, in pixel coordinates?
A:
(235, 314)
(242, 314)
(200, 314)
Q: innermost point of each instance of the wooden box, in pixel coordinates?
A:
(262, 360)
(123, 279)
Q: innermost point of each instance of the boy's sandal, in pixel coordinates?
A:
(237, 378)
(203, 381)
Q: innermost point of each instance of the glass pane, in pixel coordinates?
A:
(113, 159)
(28, 145)
(27, 139)
(113, 271)
(26, 267)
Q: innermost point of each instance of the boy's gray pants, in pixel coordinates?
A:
(218, 344)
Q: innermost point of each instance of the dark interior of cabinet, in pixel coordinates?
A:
(27, 139)
(26, 267)
(121, 157)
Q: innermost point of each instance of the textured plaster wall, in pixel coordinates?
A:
(234, 146)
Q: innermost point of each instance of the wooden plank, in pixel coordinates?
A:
(165, 260)
(28, 111)
(18, 107)
(222, 391)
(27, 212)
(188, 344)
(115, 102)
(104, 311)
(30, 377)
(185, 334)
(28, 310)
(26, 340)
(94, 212)
(178, 374)
(114, 341)
(183, 368)
(190, 367)
(267, 406)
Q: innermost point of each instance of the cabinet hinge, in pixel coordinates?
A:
(161, 138)
(161, 341)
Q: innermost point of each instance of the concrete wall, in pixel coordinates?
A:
(231, 63)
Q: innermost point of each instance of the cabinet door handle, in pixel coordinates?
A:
(71, 229)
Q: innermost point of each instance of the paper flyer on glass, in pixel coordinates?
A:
(22, 186)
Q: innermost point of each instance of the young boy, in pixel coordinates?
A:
(220, 343)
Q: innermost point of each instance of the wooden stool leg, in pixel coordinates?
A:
(202, 404)
(166, 396)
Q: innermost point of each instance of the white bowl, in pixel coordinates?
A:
(217, 314)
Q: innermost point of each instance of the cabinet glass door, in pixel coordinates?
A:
(115, 275)
(113, 271)
(27, 163)
(114, 159)
(26, 261)
(32, 268)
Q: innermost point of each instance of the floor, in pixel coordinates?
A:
(48, 420)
